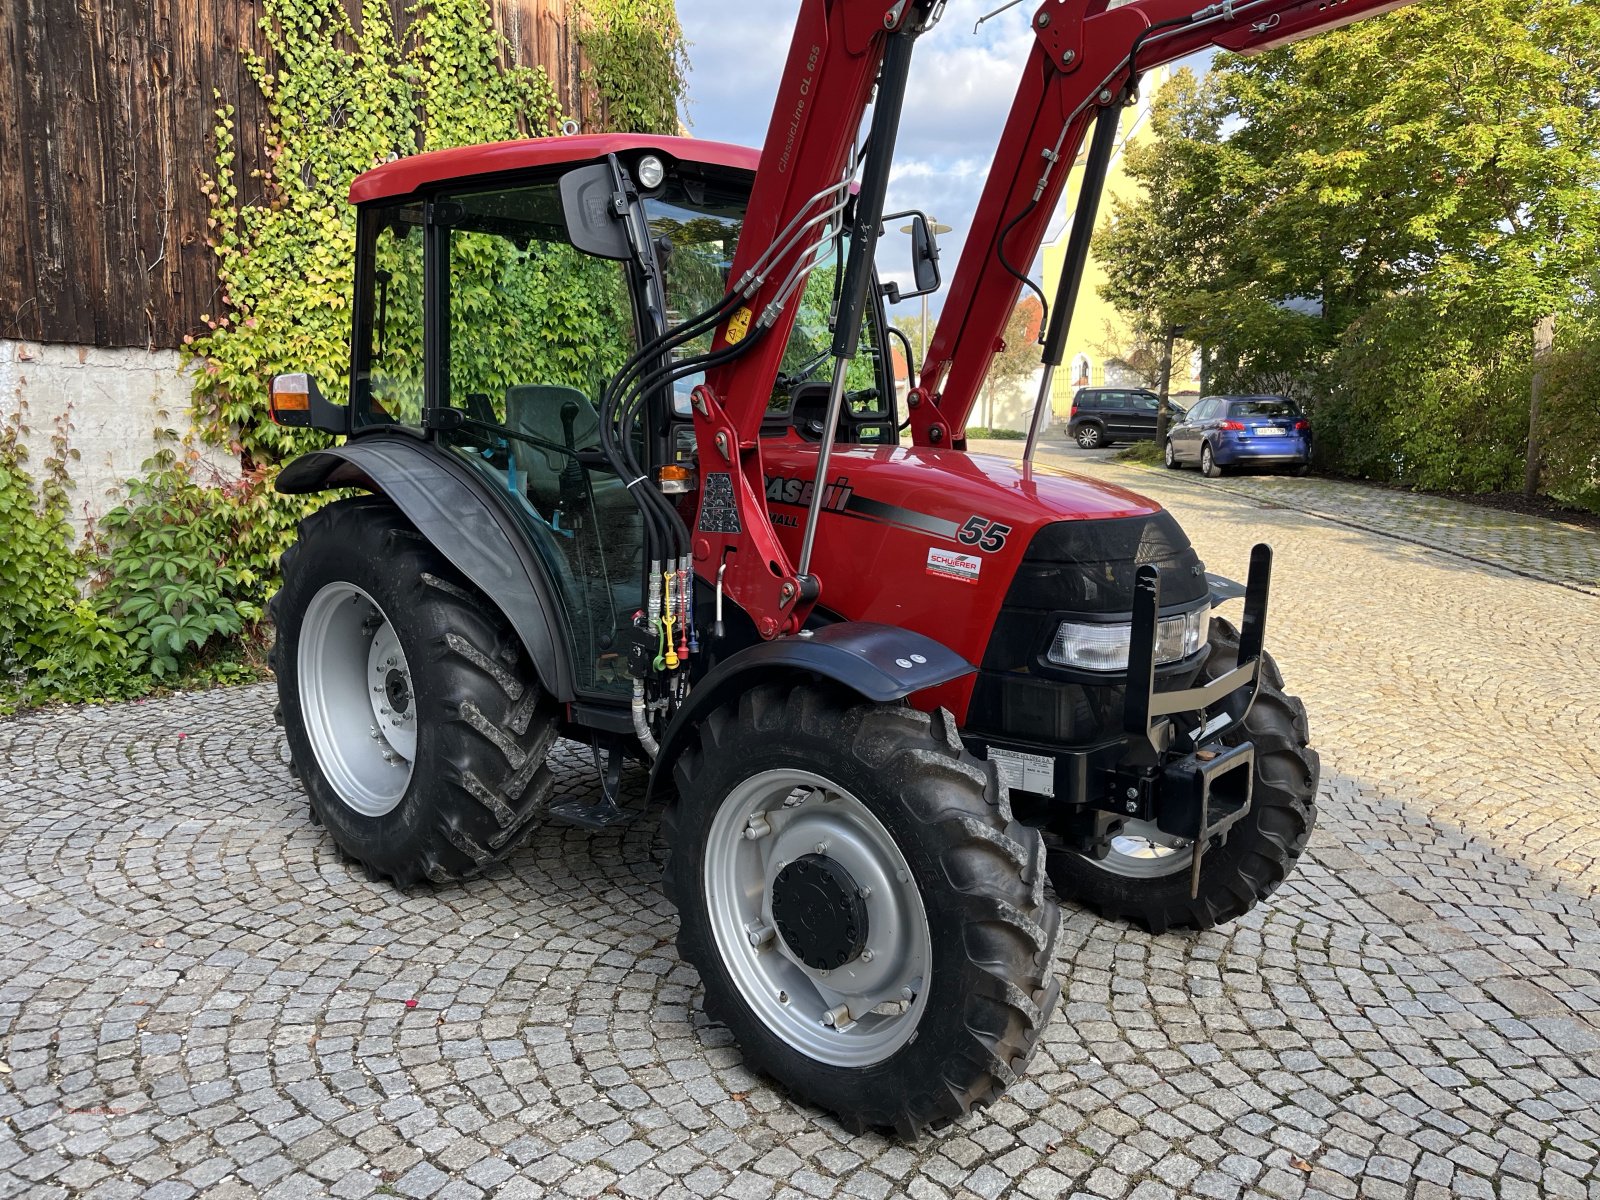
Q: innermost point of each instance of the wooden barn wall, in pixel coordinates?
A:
(106, 120)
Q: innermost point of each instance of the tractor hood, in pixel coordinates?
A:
(938, 491)
(932, 540)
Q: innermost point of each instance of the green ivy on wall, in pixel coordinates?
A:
(636, 63)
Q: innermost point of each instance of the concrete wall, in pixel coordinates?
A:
(115, 400)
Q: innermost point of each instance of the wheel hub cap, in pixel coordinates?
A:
(820, 912)
(356, 699)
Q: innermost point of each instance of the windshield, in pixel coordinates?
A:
(696, 220)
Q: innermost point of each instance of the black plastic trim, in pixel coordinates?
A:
(447, 505)
(863, 656)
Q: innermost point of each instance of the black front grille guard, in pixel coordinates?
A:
(1209, 786)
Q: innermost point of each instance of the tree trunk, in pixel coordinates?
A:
(1163, 409)
(1544, 336)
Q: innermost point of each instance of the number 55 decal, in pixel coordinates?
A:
(988, 536)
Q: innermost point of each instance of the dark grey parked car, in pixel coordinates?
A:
(1103, 415)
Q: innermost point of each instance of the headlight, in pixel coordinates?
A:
(651, 172)
(1104, 647)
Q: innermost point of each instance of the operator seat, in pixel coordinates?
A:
(536, 409)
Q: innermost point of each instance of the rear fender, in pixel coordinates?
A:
(880, 663)
(448, 506)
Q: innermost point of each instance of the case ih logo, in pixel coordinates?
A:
(781, 489)
(952, 564)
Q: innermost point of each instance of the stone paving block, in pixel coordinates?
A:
(190, 1002)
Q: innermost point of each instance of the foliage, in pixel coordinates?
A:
(1372, 221)
(53, 643)
(342, 98)
(151, 597)
(1571, 413)
(980, 433)
(636, 63)
(1019, 355)
(180, 581)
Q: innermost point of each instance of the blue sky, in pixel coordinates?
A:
(961, 89)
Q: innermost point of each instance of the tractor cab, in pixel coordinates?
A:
(490, 319)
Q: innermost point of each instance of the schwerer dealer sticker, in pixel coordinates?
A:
(954, 565)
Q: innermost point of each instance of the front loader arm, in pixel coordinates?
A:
(1086, 58)
(801, 192)
(1079, 66)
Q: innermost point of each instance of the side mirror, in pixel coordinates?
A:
(297, 403)
(586, 206)
(924, 254)
(924, 258)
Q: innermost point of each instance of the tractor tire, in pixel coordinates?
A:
(1147, 883)
(414, 719)
(902, 983)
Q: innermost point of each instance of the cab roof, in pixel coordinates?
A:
(406, 176)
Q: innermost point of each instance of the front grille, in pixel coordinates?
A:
(1082, 567)
(1089, 566)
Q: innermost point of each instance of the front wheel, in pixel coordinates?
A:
(1170, 457)
(1145, 874)
(866, 915)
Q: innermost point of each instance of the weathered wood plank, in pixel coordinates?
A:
(106, 130)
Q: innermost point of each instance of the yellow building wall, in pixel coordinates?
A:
(1098, 330)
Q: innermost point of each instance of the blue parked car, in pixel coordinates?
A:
(1230, 431)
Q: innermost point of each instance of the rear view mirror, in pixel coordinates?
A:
(924, 257)
(586, 205)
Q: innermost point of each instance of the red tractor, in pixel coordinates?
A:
(637, 475)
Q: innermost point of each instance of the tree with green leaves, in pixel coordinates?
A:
(1375, 220)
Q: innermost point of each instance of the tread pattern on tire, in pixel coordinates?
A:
(994, 866)
(486, 783)
(1258, 854)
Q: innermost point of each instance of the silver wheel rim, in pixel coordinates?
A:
(1207, 463)
(854, 1015)
(1141, 851)
(1089, 438)
(1170, 456)
(356, 699)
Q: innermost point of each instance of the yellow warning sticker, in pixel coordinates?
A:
(738, 326)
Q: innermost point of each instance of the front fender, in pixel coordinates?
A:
(881, 663)
(446, 503)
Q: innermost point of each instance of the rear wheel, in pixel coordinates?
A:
(1144, 877)
(1208, 462)
(1091, 436)
(415, 721)
(866, 915)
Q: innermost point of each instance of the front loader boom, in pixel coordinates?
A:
(1087, 58)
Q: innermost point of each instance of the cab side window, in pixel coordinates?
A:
(388, 384)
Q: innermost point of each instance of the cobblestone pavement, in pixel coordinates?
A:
(1543, 549)
(198, 996)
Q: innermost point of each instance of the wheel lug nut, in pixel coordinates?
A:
(822, 847)
(867, 956)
